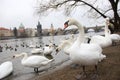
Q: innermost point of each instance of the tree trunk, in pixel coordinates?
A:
(116, 21)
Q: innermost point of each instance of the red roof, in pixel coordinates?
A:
(2, 28)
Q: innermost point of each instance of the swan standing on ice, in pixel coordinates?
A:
(6, 68)
(83, 53)
(103, 41)
(34, 61)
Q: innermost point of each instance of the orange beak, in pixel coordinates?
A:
(65, 26)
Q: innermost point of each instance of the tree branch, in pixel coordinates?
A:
(93, 8)
(107, 11)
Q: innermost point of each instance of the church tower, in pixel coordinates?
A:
(39, 29)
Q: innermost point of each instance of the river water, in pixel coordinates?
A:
(24, 73)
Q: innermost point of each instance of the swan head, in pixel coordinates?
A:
(57, 50)
(70, 22)
(107, 20)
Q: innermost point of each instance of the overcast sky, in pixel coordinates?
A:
(14, 12)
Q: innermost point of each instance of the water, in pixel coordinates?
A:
(21, 72)
(25, 73)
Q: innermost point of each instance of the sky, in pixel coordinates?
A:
(15, 12)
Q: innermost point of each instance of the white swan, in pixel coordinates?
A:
(83, 53)
(103, 41)
(66, 44)
(48, 49)
(114, 37)
(6, 68)
(37, 51)
(32, 46)
(34, 61)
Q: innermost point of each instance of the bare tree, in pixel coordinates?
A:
(95, 9)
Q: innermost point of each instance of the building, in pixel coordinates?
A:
(52, 31)
(21, 31)
(31, 32)
(4, 32)
(39, 29)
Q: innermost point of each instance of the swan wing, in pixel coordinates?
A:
(37, 50)
(102, 41)
(5, 69)
(87, 54)
(97, 39)
(48, 50)
(115, 36)
(34, 61)
(46, 62)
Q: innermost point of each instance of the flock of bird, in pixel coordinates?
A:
(34, 61)
(79, 51)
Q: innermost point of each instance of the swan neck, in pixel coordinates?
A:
(106, 30)
(81, 32)
(24, 56)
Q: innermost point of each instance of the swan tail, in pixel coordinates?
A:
(47, 62)
(52, 60)
(102, 57)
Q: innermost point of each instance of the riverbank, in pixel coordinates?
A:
(108, 69)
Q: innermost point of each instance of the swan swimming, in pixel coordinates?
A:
(37, 51)
(44, 51)
(48, 49)
(83, 53)
(6, 68)
(103, 41)
(33, 61)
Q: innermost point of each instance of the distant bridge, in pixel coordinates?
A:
(87, 29)
(96, 29)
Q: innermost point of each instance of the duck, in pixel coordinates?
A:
(82, 53)
(34, 61)
(103, 41)
(6, 68)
